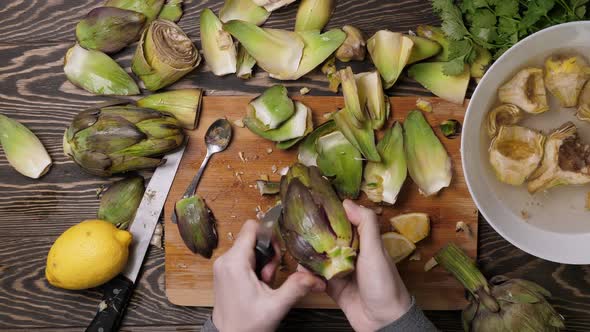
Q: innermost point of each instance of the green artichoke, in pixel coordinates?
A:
(120, 202)
(314, 225)
(196, 225)
(172, 10)
(121, 138)
(149, 8)
(109, 29)
(503, 304)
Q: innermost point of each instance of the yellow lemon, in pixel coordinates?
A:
(414, 226)
(87, 255)
(397, 246)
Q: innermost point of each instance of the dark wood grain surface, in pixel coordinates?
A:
(34, 35)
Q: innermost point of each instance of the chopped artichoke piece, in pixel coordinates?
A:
(318, 47)
(172, 10)
(120, 202)
(272, 5)
(164, 55)
(424, 105)
(97, 73)
(273, 107)
(314, 226)
(245, 63)
(149, 8)
(23, 149)
(268, 187)
(384, 180)
(243, 10)
(450, 128)
(565, 77)
(362, 138)
(352, 100)
(329, 69)
(436, 34)
(428, 162)
(313, 14)
(431, 76)
(390, 52)
(109, 29)
(565, 161)
(295, 127)
(276, 51)
(219, 49)
(515, 153)
(183, 104)
(424, 48)
(482, 60)
(341, 162)
(308, 153)
(372, 96)
(196, 225)
(526, 90)
(354, 47)
(503, 115)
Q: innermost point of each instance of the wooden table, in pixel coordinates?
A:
(34, 35)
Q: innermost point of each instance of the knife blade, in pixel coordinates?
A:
(117, 292)
(264, 249)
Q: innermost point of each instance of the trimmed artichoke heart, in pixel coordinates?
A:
(526, 90)
(515, 153)
(565, 78)
(503, 115)
(565, 162)
(583, 112)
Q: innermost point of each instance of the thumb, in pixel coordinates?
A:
(367, 225)
(297, 286)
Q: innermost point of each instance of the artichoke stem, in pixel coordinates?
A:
(463, 268)
(341, 262)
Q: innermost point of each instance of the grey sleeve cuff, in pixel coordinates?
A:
(209, 326)
(412, 321)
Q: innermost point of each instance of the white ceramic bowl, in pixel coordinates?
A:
(558, 225)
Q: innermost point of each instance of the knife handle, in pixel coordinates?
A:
(263, 256)
(116, 295)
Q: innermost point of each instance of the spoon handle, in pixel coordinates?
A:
(190, 191)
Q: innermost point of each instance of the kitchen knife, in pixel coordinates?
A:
(264, 249)
(117, 292)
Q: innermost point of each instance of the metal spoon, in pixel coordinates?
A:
(217, 139)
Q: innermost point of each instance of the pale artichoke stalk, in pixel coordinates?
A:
(273, 107)
(219, 50)
(109, 29)
(243, 10)
(183, 104)
(428, 162)
(424, 48)
(373, 98)
(97, 73)
(121, 138)
(295, 128)
(565, 77)
(354, 46)
(383, 181)
(196, 225)
(272, 5)
(503, 115)
(390, 52)
(341, 162)
(23, 149)
(361, 138)
(120, 202)
(149, 8)
(332, 74)
(171, 11)
(502, 304)
(566, 161)
(308, 153)
(245, 63)
(526, 90)
(313, 14)
(515, 153)
(164, 55)
(314, 225)
(276, 51)
(431, 76)
(583, 112)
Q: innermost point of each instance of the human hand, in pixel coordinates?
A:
(244, 303)
(374, 296)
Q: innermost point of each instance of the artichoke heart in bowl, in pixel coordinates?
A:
(526, 90)
(515, 153)
(565, 77)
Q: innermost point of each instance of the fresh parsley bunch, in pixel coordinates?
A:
(496, 25)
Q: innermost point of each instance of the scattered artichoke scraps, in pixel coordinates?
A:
(239, 123)
(430, 264)
(424, 105)
(157, 236)
(269, 150)
(303, 91)
(230, 236)
(415, 256)
(264, 177)
(273, 169)
(525, 214)
(463, 227)
(242, 158)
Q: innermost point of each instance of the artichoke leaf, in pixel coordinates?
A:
(219, 50)
(183, 104)
(171, 11)
(272, 5)
(245, 63)
(313, 14)
(361, 138)
(273, 107)
(121, 200)
(196, 225)
(372, 97)
(341, 162)
(149, 8)
(294, 127)
(390, 52)
(243, 10)
(308, 153)
(354, 46)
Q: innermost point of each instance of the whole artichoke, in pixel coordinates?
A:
(314, 225)
(503, 304)
(120, 138)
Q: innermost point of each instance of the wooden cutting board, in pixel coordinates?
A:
(228, 187)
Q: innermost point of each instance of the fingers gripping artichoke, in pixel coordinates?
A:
(565, 77)
(515, 153)
(121, 138)
(314, 226)
(566, 161)
(526, 90)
